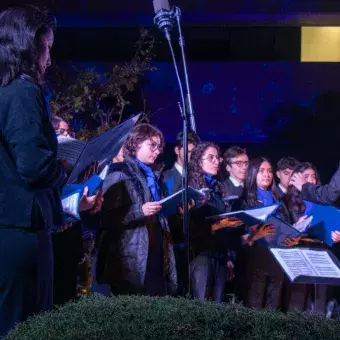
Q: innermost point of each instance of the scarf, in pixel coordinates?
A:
(265, 196)
(210, 181)
(151, 180)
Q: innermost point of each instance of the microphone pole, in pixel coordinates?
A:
(164, 20)
(189, 107)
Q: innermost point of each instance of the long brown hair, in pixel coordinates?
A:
(20, 40)
(295, 207)
(250, 185)
(196, 174)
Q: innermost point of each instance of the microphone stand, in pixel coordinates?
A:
(185, 221)
(177, 13)
(164, 20)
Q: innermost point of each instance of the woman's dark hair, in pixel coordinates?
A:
(21, 29)
(250, 185)
(138, 135)
(55, 120)
(294, 205)
(196, 174)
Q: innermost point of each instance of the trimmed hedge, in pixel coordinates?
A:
(145, 318)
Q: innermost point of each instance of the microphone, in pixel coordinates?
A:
(164, 16)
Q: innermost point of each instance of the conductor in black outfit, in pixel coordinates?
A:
(30, 174)
(328, 194)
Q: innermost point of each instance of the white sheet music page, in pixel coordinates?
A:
(71, 205)
(301, 227)
(261, 213)
(322, 263)
(69, 149)
(104, 172)
(293, 262)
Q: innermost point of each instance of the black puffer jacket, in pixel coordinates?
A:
(127, 235)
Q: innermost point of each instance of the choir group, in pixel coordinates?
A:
(138, 249)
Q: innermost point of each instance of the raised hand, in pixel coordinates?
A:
(298, 181)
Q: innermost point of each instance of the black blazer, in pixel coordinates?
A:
(232, 189)
(280, 193)
(30, 175)
(172, 181)
(323, 194)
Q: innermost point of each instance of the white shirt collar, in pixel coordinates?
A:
(284, 190)
(235, 182)
(179, 168)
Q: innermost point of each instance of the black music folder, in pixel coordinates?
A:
(101, 148)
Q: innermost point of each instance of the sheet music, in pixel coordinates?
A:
(104, 172)
(261, 213)
(293, 262)
(301, 227)
(102, 148)
(257, 214)
(322, 263)
(71, 205)
(69, 149)
(231, 198)
(200, 192)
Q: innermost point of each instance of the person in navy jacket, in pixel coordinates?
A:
(30, 174)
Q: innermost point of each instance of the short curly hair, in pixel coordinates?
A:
(138, 135)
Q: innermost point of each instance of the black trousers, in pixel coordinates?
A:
(26, 275)
(68, 251)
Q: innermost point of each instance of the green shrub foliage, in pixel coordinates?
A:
(145, 318)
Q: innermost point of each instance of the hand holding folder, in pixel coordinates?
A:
(248, 217)
(87, 202)
(257, 232)
(102, 148)
(73, 194)
(227, 222)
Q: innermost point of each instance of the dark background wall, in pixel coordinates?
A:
(248, 84)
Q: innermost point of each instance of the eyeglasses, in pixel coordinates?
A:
(241, 163)
(212, 158)
(155, 146)
(62, 131)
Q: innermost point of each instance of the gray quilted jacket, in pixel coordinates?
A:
(124, 245)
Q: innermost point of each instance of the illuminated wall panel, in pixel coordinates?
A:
(320, 44)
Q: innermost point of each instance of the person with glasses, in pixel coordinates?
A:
(211, 263)
(61, 127)
(236, 164)
(135, 252)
